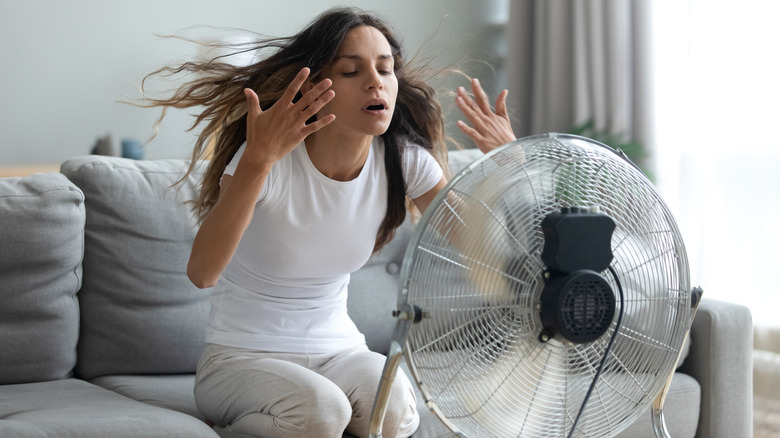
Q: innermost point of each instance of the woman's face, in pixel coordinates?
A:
(364, 82)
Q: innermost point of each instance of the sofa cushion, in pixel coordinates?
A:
(73, 408)
(41, 230)
(682, 408)
(721, 361)
(174, 392)
(140, 313)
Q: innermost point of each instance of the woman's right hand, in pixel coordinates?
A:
(273, 133)
(270, 135)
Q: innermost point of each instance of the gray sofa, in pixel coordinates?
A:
(100, 330)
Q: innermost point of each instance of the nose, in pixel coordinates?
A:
(375, 81)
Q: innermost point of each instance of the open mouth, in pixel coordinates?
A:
(375, 106)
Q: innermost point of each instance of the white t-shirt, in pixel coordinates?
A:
(285, 289)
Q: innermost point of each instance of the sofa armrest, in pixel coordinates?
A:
(721, 360)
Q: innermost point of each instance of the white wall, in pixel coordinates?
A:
(66, 63)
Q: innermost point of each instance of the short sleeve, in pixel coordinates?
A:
(421, 171)
(230, 169)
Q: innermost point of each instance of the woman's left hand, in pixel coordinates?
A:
(489, 129)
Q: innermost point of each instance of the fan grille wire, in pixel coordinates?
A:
(474, 265)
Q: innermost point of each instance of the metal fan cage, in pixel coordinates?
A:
(474, 268)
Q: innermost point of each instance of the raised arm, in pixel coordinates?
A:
(271, 134)
(489, 129)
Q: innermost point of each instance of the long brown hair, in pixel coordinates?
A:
(219, 90)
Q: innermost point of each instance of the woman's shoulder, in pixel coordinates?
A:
(283, 163)
(413, 155)
(413, 152)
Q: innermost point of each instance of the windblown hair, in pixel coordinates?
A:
(219, 90)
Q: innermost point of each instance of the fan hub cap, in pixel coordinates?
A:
(579, 307)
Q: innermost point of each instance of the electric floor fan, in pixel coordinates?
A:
(545, 293)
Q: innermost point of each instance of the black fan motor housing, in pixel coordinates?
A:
(579, 307)
(576, 239)
(577, 302)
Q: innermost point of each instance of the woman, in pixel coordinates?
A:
(316, 149)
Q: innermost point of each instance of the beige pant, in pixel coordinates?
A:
(270, 395)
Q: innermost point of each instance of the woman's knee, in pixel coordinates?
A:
(402, 418)
(326, 413)
(319, 415)
(271, 398)
(315, 413)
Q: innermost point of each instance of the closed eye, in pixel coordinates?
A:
(351, 74)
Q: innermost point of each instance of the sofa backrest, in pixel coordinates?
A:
(139, 312)
(41, 247)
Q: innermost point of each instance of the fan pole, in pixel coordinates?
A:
(659, 424)
(405, 319)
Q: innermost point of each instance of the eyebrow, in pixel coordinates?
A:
(359, 58)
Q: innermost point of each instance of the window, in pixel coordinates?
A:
(717, 105)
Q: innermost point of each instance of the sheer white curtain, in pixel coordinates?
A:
(695, 81)
(717, 83)
(575, 61)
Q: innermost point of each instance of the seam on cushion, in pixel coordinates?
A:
(80, 278)
(118, 166)
(43, 192)
(113, 166)
(705, 402)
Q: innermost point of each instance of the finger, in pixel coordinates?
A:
(472, 110)
(501, 104)
(317, 92)
(472, 113)
(480, 96)
(468, 130)
(295, 85)
(466, 97)
(318, 103)
(467, 107)
(252, 102)
(321, 87)
(319, 124)
(462, 92)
